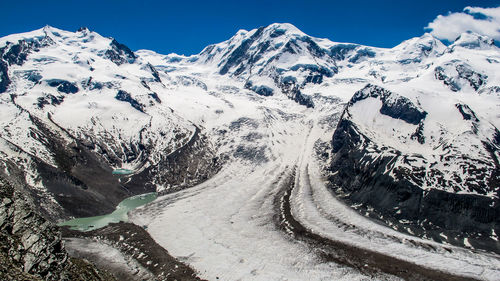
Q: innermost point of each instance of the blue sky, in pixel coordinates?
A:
(186, 27)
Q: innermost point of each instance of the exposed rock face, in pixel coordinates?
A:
(155, 73)
(63, 86)
(362, 179)
(119, 53)
(238, 57)
(361, 54)
(292, 91)
(340, 51)
(467, 112)
(16, 54)
(393, 105)
(124, 96)
(192, 163)
(81, 184)
(455, 75)
(49, 99)
(4, 76)
(265, 52)
(260, 90)
(31, 247)
(374, 175)
(154, 96)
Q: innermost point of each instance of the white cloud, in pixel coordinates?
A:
(484, 21)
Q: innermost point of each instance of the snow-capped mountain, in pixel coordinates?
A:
(407, 135)
(424, 149)
(75, 106)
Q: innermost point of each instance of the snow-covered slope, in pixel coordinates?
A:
(415, 143)
(423, 149)
(78, 105)
(420, 120)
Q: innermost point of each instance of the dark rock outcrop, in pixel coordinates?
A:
(393, 105)
(49, 99)
(11, 54)
(341, 51)
(17, 53)
(155, 73)
(292, 91)
(4, 76)
(240, 53)
(63, 86)
(365, 174)
(316, 72)
(466, 112)
(31, 248)
(439, 73)
(120, 53)
(475, 79)
(187, 166)
(154, 96)
(419, 134)
(260, 90)
(126, 97)
(454, 74)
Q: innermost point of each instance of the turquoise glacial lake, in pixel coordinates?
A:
(120, 214)
(122, 172)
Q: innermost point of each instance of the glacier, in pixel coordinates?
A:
(276, 155)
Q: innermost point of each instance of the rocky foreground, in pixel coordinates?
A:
(31, 248)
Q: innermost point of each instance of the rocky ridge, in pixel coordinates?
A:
(416, 146)
(31, 247)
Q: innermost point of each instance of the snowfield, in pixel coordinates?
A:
(247, 125)
(226, 227)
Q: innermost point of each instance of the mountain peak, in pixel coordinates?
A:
(83, 29)
(264, 38)
(53, 30)
(280, 30)
(425, 45)
(37, 34)
(287, 28)
(47, 27)
(425, 39)
(241, 32)
(472, 40)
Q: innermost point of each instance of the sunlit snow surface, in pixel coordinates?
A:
(226, 227)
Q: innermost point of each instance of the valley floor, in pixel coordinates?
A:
(276, 220)
(235, 141)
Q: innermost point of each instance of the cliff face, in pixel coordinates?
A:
(434, 189)
(31, 247)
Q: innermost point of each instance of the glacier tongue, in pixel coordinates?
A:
(415, 145)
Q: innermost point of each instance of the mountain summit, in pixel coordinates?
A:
(270, 133)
